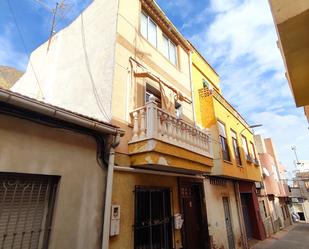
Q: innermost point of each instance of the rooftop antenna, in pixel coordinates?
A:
(295, 153)
(55, 10)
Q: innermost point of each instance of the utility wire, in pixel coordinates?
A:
(24, 45)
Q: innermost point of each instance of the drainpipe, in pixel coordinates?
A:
(108, 194)
(192, 88)
(240, 216)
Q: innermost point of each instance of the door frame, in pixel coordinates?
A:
(205, 232)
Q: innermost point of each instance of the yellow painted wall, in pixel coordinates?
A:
(208, 111)
(124, 185)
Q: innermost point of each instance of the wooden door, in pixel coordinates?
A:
(195, 230)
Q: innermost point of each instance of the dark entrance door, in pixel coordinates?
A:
(195, 229)
(245, 202)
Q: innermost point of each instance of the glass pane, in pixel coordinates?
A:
(221, 129)
(244, 143)
(144, 21)
(152, 33)
(173, 54)
(253, 151)
(165, 47)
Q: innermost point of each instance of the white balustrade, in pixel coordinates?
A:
(151, 122)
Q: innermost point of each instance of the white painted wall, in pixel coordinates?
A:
(77, 71)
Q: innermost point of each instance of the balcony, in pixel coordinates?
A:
(177, 138)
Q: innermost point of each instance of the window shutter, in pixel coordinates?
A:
(25, 210)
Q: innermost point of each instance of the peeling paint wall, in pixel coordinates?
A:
(215, 214)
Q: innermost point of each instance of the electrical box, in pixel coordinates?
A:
(115, 220)
(178, 221)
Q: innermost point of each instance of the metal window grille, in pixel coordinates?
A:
(26, 206)
(153, 219)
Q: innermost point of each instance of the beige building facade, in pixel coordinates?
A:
(128, 65)
(53, 175)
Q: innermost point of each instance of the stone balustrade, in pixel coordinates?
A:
(151, 122)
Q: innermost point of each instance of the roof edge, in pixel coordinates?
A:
(21, 101)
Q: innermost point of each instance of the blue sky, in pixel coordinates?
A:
(237, 37)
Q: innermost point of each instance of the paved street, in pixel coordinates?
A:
(297, 237)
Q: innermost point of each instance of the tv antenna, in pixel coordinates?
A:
(56, 12)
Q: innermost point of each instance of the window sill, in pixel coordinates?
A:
(226, 161)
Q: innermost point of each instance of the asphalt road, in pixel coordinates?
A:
(296, 238)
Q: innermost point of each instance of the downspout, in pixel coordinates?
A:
(240, 216)
(192, 88)
(108, 193)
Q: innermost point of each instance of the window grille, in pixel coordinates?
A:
(153, 218)
(217, 181)
(26, 206)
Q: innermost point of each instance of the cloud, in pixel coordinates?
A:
(9, 55)
(238, 38)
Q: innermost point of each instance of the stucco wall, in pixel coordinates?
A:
(123, 186)
(77, 71)
(215, 214)
(27, 147)
(129, 91)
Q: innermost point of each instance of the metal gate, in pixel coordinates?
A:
(26, 206)
(228, 223)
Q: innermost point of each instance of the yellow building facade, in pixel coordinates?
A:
(214, 112)
(236, 166)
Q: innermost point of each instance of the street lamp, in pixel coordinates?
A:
(251, 127)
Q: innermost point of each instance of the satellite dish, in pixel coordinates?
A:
(266, 172)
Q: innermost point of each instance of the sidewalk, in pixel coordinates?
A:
(292, 237)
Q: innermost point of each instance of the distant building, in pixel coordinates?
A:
(300, 190)
(292, 21)
(274, 194)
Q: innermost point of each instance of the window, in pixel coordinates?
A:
(149, 29)
(223, 142)
(245, 146)
(236, 147)
(263, 209)
(169, 50)
(26, 203)
(150, 90)
(205, 83)
(307, 185)
(153, 218)
(253, 151)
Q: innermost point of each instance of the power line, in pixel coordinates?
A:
(24, 45)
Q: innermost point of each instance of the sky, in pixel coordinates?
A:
(237, 37)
